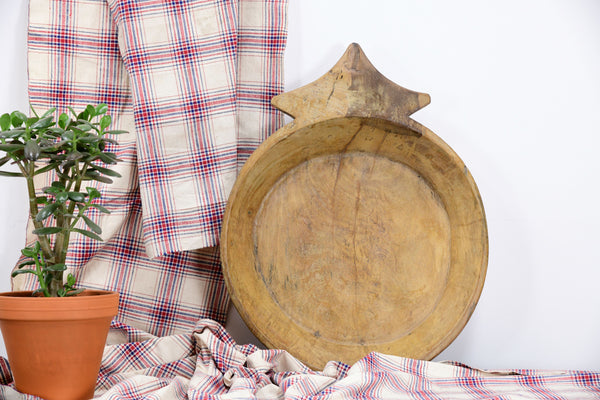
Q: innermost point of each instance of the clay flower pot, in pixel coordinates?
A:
(55, 345)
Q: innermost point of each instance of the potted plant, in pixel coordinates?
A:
(55, 335)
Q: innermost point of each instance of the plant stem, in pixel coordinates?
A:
(62, 241)
(28, 171)
(39, 261)
(56, 283)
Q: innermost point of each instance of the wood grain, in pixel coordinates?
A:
(354, 228)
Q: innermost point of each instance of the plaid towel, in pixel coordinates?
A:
(192, 82)
(207, 364)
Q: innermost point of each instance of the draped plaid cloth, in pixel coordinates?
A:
(192, 82)
(207, 364)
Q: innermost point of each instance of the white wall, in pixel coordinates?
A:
(515, 88)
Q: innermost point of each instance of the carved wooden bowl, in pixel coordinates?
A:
(354, 229)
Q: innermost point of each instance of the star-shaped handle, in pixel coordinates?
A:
(352, 88)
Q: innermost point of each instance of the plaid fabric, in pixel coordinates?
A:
(181, 57)
(198, 76)
(207, 364)
(191, 81)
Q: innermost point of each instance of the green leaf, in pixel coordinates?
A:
(43, 123)
(62, 197)
(109, 140)
(47, 279)
(88, 234)
(68, 136)
(101, 208)
(5, 121)
(32, 150)
(83, 115)
(25, 263)
(17, 118)
(116, 132)
(10, 147)
(33, 110)
(93, 192)
(60, 145)
(108, 158)
(70, 280)
(13, 133)
(11, 174)
(105, 122)
(84, 127)
(44, 169)
(77, 196)
(48, 230)
(29, 252)
(56, 267)
(41, 200)
(72, 111)
(23, 271)
(47, 211)
(106, 171)
(101, 108)
(40, 290)
(74, 292)
(31, 120)
(92, 157)
(63, 120)
(92, 225)
(80, 154)
(91, 111)
(56, 131)
(94, 175)
(49, 112)
(52, 190)
(62, 175)
(46, 144)
(66, 166)
(58, 185)
(5, 159)
(89, 139)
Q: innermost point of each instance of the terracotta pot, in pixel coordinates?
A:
(55, 345)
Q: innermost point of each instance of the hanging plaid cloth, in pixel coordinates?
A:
(192, 82)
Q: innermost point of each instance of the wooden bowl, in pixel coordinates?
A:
(355, 233)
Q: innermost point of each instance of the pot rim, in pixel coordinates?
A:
(90, 304)
(28, 294)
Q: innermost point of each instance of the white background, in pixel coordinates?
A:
(515, 88)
